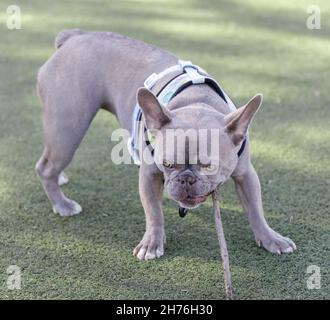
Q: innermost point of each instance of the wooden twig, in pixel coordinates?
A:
(223, 246)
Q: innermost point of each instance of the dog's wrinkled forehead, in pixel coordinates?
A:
(195, 135)
(198, 115)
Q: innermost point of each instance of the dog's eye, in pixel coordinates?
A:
(209, 167)
(167, 164)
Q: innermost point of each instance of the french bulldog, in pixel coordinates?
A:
(93, 70)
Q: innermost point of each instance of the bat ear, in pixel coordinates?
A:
(155, 116)
(237, 122)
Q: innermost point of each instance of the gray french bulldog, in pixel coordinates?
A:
(93, 70)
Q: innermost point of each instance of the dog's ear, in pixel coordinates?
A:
(154, 114)
(238, 121)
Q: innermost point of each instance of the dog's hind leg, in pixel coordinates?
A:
(48, 168)
(63, 179)
(64, 127)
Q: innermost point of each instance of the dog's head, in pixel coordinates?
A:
(195, 146)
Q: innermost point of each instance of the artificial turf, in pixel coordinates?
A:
(249, 46)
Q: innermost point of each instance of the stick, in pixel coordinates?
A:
(223, 246)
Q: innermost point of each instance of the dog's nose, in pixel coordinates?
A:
(187, 179)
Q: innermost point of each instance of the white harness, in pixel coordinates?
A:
(190, 75)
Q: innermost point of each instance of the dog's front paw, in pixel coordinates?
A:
(274, 242)
(67, 208)
(151, 245)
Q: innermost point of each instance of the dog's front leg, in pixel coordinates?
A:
(249, 191)
(151, 193)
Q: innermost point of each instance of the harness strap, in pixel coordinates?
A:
(173, 81)
(241, 149)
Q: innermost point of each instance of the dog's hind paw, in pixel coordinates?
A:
(67, 208)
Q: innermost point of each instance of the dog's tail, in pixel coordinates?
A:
(65, 35)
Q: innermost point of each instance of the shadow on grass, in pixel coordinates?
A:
(113, 222)
(286, 20)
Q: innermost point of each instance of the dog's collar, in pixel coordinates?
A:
(183, 75)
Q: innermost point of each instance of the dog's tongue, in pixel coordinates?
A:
(195, 200)
(201, 198)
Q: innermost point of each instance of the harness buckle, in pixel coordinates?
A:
(194, 75)
(151, 80)
(186, 63)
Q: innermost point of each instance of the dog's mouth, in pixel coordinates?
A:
(191, 202)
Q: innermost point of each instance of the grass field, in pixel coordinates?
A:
(249, 46)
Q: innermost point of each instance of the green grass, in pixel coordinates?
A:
(250, 47)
